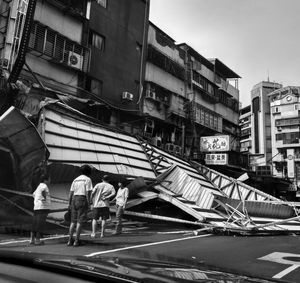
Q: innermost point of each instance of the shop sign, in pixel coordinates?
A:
(216, 159)
(214, 143)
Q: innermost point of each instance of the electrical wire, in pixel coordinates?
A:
(97, 99)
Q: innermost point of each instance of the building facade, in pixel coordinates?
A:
(117, 33)
(104, 58)
(56, 56)
(90, 54)
(285, 123)
(187, 96)
(246, 125)
(261, 157)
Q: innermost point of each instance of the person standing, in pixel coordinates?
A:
(101, 194)
(42, 204)
(121, 200)
(79, 200)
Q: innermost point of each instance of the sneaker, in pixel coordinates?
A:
(31, 243)
(93, 235)
(76, 243)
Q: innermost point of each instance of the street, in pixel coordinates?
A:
(276, 257)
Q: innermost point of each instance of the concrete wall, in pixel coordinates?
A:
(119, 65)
(169, 50)
(58, 20)
(52, 71)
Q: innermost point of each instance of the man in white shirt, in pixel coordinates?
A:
(42, 205)
(121, 200)
(101, 194)
(79, 200)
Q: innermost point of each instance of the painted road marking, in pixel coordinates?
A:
(147, 245)
(284, 258)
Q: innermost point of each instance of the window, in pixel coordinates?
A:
(45, 41)
(103, 3)
(94, 86)
(50, 42)
(97, 40)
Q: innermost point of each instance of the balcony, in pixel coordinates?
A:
(52, 46)
(164, 62)
(287, 122)
(73, 7)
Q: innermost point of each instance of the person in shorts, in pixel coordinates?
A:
(42, 204)
(101, 194)
(79, 200)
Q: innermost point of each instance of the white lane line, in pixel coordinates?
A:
(285, 272)
(147, 245)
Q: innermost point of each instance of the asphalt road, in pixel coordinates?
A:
(276, 257)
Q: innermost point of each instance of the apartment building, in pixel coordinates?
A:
(261, 125)
(90, 54)
(56, 57)
(285, 125)
(117, 37)
(187, 96)
(245, 124)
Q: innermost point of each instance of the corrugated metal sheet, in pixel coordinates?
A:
(19, 137)
(180, 182)
(233, 188)
(260, 208)
(72, 140)
(192, 172)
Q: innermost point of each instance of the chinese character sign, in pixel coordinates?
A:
(216, 158)
(214, 143)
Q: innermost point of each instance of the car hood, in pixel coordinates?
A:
(126, 269)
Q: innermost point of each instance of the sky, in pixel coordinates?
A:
(257, 39)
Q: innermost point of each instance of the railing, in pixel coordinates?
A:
(71, 6)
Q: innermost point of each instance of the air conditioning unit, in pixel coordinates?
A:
(150, 94)
(127, 96)
(75, 60)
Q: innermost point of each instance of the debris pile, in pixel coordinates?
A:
(65, 139)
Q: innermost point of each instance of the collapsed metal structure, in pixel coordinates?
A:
(63, 139)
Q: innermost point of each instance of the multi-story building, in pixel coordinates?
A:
(261, 157)
(245, 124)
(187, 96)
(117, 36)
(88, 53)
(285, 124)
(55, 55)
